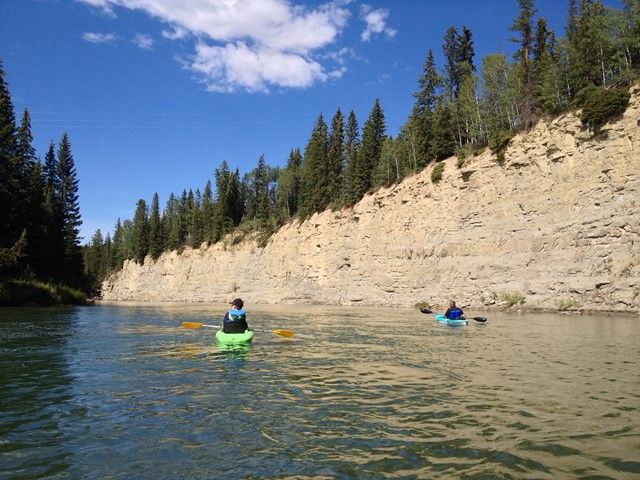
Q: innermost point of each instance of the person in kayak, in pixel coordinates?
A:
(453, 312)
(235, 320)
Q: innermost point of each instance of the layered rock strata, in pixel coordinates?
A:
(556, 225)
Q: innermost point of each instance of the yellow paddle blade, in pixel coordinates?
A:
(191, 324)
(283, 333)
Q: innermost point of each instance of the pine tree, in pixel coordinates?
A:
(443, 142)
(335, 159)
(522, 25)
(9, 171)
(261, 188)
(352, 150)
(288, 187)
(156, 241)
(373, 135)
(315, 182)
(451, 51)
(71, 219)
(208, 213)
(420, 122)
(141, 232)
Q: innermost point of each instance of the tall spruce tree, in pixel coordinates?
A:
(141, 231)
(156, 240)
(71, 219)
(373, 135)
(315, 182)
(523, 26)
(288, 187)
(9, 171)
(335, 159)
(352, 150)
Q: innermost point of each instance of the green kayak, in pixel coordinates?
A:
(234, 338)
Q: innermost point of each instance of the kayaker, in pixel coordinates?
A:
(235, 320)
(454, 312)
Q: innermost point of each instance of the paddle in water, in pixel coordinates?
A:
(278, 331)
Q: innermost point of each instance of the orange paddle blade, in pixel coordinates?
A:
(283, 333)
(191, 324)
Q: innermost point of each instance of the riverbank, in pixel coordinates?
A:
(552, 227)
(26, 293)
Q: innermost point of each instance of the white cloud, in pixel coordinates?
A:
(175, 33)
(237, 66)
(143, 41)
(375, 23)
(250, 44)
(103, 5)
(98, 37)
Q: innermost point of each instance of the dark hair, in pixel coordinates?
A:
(238, 303)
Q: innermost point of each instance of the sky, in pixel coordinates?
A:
(155, 94)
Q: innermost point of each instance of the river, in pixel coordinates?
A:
(124, 392)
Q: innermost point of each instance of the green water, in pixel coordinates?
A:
(126, 393)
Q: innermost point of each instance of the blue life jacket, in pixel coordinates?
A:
(235, 321)
(454, 313)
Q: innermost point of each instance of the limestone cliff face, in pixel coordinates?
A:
(557, 224)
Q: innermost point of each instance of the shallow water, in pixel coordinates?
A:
(124, 392)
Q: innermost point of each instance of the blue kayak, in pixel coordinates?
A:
(457, 322)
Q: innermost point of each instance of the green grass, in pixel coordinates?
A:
(436, 173)
(513, 299)
(34, 292)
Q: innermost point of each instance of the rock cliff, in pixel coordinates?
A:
(556, 225)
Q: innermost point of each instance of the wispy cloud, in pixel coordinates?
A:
(143, 41)
(375, 23)
(249, 44)
(98, 37)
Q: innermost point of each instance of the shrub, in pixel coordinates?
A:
(513, 298)
(498, 143)
(566, 304)
(436, 173)
(34, 292)
(600, 105)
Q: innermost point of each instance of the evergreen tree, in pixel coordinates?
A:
(420, 122)
(373, 135)
(524, 27)
(288, 187)
(335, 159)
(141, 232)
(352, 150)
(315, 184)
(71, 219)
(156, 241)
(94, 262)
(208, 214)
(9, 171)
(443, 141)
(451, 51)
(261, 188)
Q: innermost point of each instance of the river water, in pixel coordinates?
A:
(123, 392)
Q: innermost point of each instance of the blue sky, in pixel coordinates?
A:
(154, 94)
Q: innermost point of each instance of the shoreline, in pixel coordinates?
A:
(361, 307)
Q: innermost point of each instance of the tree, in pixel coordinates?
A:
(373, 135)
(352, 149)
(522, 25)
(335, 159)
(9, 172)
(156, 241)
(288, 186)
(71, 219)
(315, 184)
(141, 231)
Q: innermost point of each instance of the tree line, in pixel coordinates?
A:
(40, 214)
(458, 109)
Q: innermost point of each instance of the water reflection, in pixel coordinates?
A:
(35, 396)
(122, 392)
